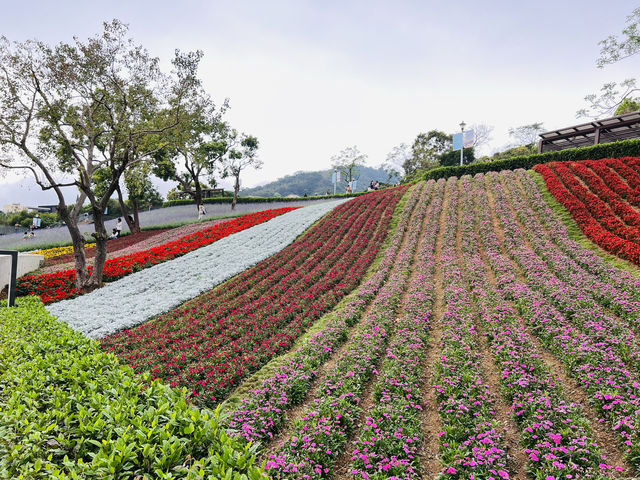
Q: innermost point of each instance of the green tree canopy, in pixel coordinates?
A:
(69, 111)
(426, 150)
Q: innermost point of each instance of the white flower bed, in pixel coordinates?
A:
(137, 297)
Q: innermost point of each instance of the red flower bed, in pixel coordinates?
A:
(594, 219)
(598, 208)
(613, 180)
(622, 166)
(214, 341)
(56, 286)
(614, 200)
(112, 246)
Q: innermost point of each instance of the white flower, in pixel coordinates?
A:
(145, 294)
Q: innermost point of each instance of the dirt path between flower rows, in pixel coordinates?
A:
(523, 228)
(296, 412)
(341, 469)
(517, 455)
(573, 392)
(430, 465)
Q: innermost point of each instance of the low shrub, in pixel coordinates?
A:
(228, 200)
(596, 152)
(68, 410)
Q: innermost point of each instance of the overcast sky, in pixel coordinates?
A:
(311, 78)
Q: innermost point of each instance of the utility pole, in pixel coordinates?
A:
(462, 125)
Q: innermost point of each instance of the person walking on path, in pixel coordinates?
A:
(201, 211)
(119, 227)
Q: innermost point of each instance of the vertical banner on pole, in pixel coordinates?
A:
(467, 138)
(457, 141)
(11, 297)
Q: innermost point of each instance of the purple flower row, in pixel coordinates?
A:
(328, 422)
(390, 440)
(591, 356)
(262, 412)
(556, 435)
(471, 444)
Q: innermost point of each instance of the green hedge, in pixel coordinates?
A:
(69, 410)
(628, 148)
(172, 203)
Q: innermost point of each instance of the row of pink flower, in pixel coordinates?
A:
(390, 441)
(571, 331)
(152, 241)
(553, 429)
(471, 445)
(262, 412)
(587, 294)
(327, 423)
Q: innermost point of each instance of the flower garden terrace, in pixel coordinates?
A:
(454, 329)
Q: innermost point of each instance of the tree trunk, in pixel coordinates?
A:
(198, 195)
(101, 237)
(136, 217)
(236, 189)
(82, 275)
(134, 226)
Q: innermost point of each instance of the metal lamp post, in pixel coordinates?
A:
(462, 125)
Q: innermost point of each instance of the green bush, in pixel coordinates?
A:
(172, 203)
(629, 148)
(69, 410)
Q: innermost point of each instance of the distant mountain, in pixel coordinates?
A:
(313, 183)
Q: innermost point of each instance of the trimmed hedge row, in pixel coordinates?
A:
(69, 410)
(624, 148)
(172, 203)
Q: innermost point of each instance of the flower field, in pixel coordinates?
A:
(162, 287)
(451, 329)
(133, 243)
(213, 341)
(603, 197)
(114, 245)
(52, 287)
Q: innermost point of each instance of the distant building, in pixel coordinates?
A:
(13, 208)
(48, 208)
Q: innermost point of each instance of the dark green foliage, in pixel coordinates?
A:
(452, 158)
(228, 200)
(68, 410)
(25, 219)
(605, 150)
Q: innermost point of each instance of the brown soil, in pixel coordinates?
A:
(573, 392)
(341, 469)
(430, 464)
(491, 375)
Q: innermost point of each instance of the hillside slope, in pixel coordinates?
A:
(312, 183)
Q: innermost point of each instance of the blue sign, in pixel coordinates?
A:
(457, 141)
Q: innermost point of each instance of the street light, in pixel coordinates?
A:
(462, 125)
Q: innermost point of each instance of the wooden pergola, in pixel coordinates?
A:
(621, 127)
